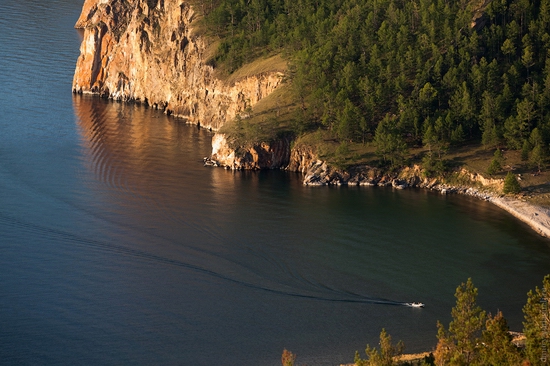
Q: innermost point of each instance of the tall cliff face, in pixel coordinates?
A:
(145, 50)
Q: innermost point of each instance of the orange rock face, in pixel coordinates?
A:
(139, 50)
(273, 155)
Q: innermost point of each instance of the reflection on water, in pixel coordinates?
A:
(138, 155)
(124, 147)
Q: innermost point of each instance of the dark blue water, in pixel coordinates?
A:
(118, 247)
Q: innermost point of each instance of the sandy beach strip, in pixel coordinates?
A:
(538, 218)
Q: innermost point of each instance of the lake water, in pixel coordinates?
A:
(117, 246)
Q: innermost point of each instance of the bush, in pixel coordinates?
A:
(433, 167)
(494, 168)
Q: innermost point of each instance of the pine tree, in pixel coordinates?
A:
(511, 184)
(525, 150)
(497, 347)
(383, 357)
(457, 136)
(536, 325)
(388, 141)
(538, 154)
(537, 157)
(288, 358)
(487, 120)
(496, 163)
(508, 48)
(459, 344)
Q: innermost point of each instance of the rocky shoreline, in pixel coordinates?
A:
(537, 217)
(317, 172)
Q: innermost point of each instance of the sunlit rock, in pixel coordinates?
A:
(147, 51)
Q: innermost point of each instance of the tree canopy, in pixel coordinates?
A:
(468, 71)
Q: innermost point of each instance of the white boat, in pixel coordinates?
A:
(415, 304)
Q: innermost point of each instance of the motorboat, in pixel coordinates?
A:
(415, 304)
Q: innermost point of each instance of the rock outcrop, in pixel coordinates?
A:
(274, 155)
(147, 51)
(317, 172)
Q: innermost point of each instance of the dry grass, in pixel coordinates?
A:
(279, 105)
(270, 118)
(211, 49)
(262, 65)
(340, 154)
(536, 186)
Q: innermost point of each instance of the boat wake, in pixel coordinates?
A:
(313, 291)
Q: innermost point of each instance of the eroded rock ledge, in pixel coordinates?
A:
(146, 51)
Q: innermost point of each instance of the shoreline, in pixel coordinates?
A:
(317, 173)
(473, 184)
(537, 217)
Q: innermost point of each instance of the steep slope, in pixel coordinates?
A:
(146, 51)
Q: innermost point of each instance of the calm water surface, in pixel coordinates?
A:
(118, 247)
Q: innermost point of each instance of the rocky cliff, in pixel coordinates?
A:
(147, 51)
(274, 155)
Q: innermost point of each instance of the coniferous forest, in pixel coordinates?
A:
(399, 73)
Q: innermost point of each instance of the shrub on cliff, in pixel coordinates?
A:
(511, 184)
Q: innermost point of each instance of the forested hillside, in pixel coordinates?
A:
(403, 73)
